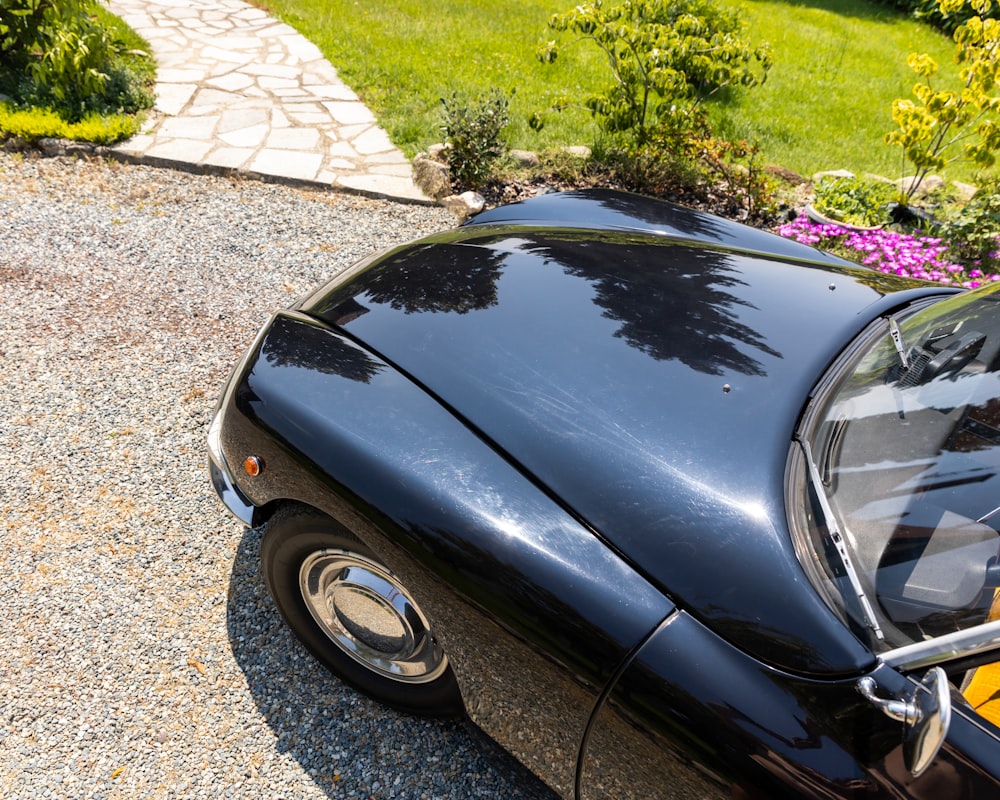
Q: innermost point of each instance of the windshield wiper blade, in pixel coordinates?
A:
(838, 541)
(897, 341)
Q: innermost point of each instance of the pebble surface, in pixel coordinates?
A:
(142, 656)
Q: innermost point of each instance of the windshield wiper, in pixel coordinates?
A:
(897, 341)
(943, 350)
(838, 541)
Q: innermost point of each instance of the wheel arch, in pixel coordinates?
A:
(512, 583)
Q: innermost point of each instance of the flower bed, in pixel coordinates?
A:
(908, 255)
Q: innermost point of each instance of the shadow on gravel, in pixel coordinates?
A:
(349, 745)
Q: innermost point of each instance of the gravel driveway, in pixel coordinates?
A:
(141, 655)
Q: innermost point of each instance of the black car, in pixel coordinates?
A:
(708, 512)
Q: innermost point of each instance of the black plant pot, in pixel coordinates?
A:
(910, 215)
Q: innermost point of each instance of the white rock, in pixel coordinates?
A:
(525, 158)
(464, 205)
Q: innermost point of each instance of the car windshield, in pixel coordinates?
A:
(894, 482)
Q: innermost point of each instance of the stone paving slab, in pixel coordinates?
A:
(238, 90)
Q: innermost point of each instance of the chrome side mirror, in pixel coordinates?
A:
(926, 715)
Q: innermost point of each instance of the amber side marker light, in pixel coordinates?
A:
(254, 465)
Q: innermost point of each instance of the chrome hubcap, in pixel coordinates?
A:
(366, 612)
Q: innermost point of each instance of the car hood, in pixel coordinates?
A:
(649, 382)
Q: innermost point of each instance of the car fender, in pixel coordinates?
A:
(694, 713)
(534, 610)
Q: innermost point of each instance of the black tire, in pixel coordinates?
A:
(354, 615)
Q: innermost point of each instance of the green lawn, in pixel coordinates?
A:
(826, 104)
(839, 64)
(403, 56)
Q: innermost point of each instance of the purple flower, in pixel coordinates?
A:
(907, 255)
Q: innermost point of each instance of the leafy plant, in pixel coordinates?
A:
(474, 132)
(33, 124)
(22, 25)
(739, 168)
(975, 230)
(664, 55)
(945, 125)
(684, 151)
(856, 201)
(67, 55)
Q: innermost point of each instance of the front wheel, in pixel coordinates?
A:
(354, 614)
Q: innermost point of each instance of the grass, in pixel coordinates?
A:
(403, 56)
(826, 104)
(839, 64)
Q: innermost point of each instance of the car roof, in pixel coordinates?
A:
(649, 381)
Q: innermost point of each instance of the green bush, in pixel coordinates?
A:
(474, 132)
(944, 125)
(31, 125)
(974, 230)
(665, 56)
(22, 26)
(72, 57)
(860, 202)
(683, 154)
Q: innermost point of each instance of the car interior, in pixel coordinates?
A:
(908, 455)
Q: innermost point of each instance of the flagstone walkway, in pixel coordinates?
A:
(238, 90)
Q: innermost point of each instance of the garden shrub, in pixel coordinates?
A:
(69, 56)
(683, 151)
(34, 124)
(945, 125)
(855, 201)
(974, 230)
(22, 30)
(474, 132)
(665, 56)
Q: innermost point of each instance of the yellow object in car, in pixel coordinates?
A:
(983, 691)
